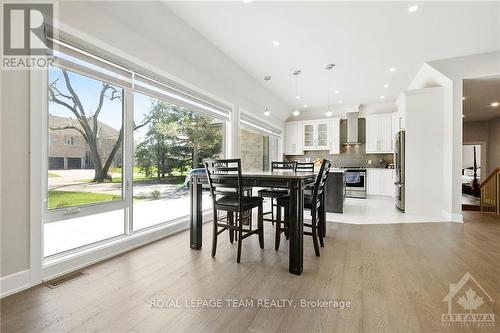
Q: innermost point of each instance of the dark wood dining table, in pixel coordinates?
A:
(295, 182)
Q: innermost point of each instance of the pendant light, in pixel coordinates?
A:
(329, 68)
(267, 113)
(296, 74)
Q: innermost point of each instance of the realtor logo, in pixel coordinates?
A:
(25, 30)
(469, 305)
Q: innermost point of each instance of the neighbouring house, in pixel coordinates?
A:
(68, 148)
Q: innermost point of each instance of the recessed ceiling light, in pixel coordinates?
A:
(494, 104)
(328, 113)
(305, 106)
(296, 112)
(386, 85)
(337, 92)
(413, 8)
(382, 97)
(276, 43)
(340, 102)
(267, 113)
(297, 97)
(392, 69)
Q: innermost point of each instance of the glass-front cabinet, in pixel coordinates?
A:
(322, 135)
(308, 135)
(316, 135)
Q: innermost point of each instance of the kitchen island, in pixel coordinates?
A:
(335, 191)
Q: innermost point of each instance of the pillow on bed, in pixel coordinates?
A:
(468, 172)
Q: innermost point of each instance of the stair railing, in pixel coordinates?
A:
(490, 193)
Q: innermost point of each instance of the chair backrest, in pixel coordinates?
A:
(304, 167)
(319, 186)
(282, 166)
(224, 177)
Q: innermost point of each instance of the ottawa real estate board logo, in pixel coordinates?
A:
(469, 305)
(25, 42)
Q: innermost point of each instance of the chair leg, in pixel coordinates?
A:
(321, 243)
(272, 211)
(214, 236)
(277, 237)
(260, 218)
(314, 232)
(240, 234)
(230, 219)
(235, 221)
(287, 234)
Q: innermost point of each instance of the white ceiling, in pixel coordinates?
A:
(479, 94)
(363, 39)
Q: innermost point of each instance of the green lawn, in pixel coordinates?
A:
(60, 199)
(53, 175)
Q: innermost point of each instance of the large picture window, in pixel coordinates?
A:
(167, 151)
(121, 148)
(257, 148)
(85, 158)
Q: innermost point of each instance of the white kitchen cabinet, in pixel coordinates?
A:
(316, 135)
(294, 139)
(380, 182)
(334, 129)
(379, 138)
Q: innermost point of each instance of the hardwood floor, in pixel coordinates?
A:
(395, 276)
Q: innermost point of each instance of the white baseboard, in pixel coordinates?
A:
(14, 283)
(459, 218)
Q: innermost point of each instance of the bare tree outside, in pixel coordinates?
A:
(87, 121)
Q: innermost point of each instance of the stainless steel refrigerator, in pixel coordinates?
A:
(399, 170)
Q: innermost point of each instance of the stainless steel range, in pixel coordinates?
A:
(355, 183)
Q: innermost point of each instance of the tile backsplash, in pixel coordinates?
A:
(350, 156)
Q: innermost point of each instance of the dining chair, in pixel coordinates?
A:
(225, 181)
(274, 193)
(304, 167)
(311, 202)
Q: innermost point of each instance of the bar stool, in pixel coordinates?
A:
(274, 193)
(311, 202)
(224, 178)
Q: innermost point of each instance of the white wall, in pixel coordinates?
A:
(457, 69)
(15, 140)
(150, 34)
(424, 148)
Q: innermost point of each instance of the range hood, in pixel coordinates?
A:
(352, 128)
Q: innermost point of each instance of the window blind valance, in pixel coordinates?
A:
(136, 79)
(259, 126)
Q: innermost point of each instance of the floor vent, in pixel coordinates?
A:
(65, 279)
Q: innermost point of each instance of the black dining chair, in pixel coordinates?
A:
(225, 180)
(274, 193)
(304, 166)
(311, 202)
